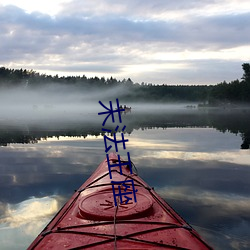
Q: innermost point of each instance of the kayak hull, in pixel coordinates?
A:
(90, 219)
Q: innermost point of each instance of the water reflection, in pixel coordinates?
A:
(234, 121)
(29, 210)
(201, 174)
(20, 222)
(193, 161)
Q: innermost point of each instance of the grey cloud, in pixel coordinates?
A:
(196, 72)
(98, 40)
(85, 68)
(217, 31)
(220, 31)
(135, 8)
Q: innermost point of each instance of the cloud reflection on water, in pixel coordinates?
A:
(226, 217)
(204, 178)
(235, 156)
(25, 220)
(201, 174)
(29, 210)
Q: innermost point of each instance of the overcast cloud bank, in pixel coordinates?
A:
(184, 42)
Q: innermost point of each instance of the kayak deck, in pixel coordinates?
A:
(90, 219)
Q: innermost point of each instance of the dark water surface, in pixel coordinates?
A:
(193, 158)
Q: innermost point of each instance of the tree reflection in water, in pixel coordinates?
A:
(234, 121)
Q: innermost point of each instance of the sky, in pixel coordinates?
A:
(153, 41)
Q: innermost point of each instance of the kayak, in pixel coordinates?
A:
(116, 209)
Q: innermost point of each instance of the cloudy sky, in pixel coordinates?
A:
(157, 41)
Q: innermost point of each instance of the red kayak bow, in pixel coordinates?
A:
(91, 219)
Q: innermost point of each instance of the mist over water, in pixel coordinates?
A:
(192, 156)
(65, 103)
(57, 109)
(55, 102)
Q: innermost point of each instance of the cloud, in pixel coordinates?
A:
(148, 9)
(91, 37)
(114, 30)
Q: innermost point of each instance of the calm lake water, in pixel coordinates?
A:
(197, 160)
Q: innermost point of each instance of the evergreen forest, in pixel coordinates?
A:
(224, 93)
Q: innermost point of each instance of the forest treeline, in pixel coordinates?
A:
(236, 91)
